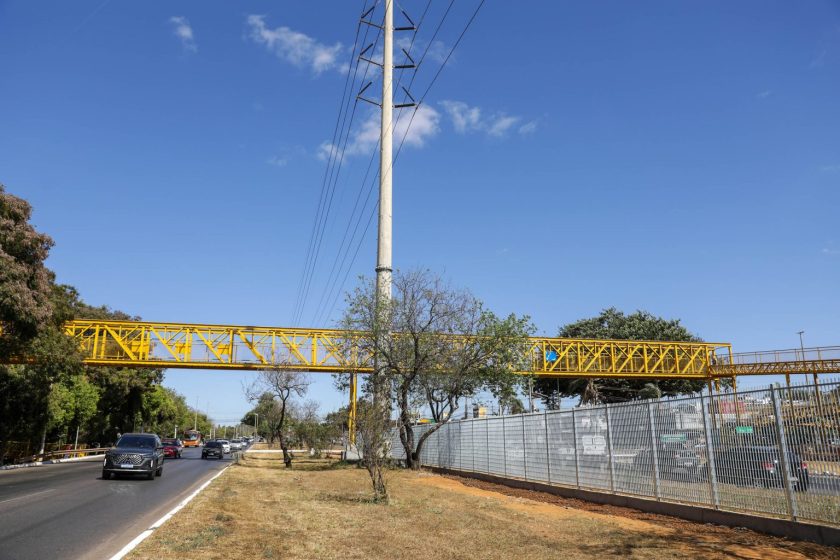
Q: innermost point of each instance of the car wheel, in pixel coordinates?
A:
(159, 471)
(151, 475)
(758, 482)
(106, 475)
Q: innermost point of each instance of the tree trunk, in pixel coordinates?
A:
(287, 457)
(380, 491)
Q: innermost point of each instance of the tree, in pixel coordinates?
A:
(445, 346)
(25, 283)
(276, 389)
(614, 324)
(36, 397)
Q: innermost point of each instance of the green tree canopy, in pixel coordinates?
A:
(25, 283)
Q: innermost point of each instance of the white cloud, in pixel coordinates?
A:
(183, 30)
(424, 125)
(831, 252)
(435, 52)
(764, 94)
(528, 128)
(284, 155)
(464, 118)
(471, 119)
(499, 125)
(830, 168)
(295, 47)
(277, 161)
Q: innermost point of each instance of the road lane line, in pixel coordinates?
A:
(145, 534)
(26, 496)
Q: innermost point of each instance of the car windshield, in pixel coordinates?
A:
(169, 442)
(144, 442)
(213, 444)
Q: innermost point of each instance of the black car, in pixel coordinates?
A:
(134, 454)
(760, 466)
(674, 462)
(213, 449)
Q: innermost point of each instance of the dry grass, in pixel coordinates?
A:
(258, 509)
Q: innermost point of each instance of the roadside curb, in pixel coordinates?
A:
(50, 462)
(157, 524)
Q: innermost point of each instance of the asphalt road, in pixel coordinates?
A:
(68, 511)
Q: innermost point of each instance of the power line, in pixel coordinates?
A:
(342, 252)
(405, 134)
(331, 188)
(322, 196)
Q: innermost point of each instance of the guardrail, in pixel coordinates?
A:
(64, 454)
(789, 355)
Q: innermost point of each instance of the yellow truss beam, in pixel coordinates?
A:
(232, 347)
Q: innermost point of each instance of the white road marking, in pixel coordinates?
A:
(145, 534)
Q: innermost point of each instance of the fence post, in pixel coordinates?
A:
(654, 451)
(547, 447)
(524, 448)
(710, 452)
(783, 452)
(504, 446)
(610, 449)
(575, 443)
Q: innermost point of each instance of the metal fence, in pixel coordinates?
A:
(773, 452)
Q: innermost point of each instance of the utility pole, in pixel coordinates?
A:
(384, 266)
(383, 253)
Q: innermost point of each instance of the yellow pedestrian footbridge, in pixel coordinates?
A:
(239, 347)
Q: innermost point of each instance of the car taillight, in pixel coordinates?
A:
(768, 466)
(804, 465)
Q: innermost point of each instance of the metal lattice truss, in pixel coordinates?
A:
(182, 345)
(825, 359)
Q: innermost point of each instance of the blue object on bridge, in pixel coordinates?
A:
(551, 356)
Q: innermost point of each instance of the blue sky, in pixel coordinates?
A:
(678, 157)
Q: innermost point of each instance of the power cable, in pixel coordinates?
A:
(322, 197)
(405, 134)
(342, 253)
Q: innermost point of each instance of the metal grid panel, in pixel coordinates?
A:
(455, 442)
(561, 448)
(773, 452)
(397, 449)
(746, 452)
(811, 424)
(679, 436)
(467, 444)
(630, 439)
(429, 452)
(480, 445)
(496, 446)
(514, 446)
(445, 454)
(592, 449)
(536, 449)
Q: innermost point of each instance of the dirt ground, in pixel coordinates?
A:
(322, 510)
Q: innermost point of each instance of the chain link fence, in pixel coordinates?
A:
(772, 452)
